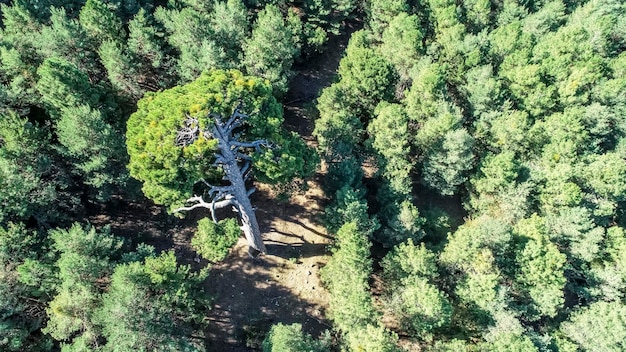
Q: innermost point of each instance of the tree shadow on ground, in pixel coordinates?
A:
(281, 286)
(291, 251)
(251, 295)
(142, 221)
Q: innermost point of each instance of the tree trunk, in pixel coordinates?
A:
(230, 154)
(234, 174)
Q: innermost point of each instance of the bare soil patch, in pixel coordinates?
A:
(249, 295)
(281, 286)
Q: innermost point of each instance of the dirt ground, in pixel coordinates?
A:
(249, 295)
(284, 285)
(281, 286)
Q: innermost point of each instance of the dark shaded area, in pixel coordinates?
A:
(142, 221)
(249, 301)
(317, 73)
(427, 199)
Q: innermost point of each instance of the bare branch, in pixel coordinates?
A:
(230, 200)
(215, 204)
(208, 134)
(218, 193)
(216, 189)
(199, 203)
(219, 132)
(256, 144)
(237, 169)
(219, 160)
(188, 134)
(243, 156)
(217, 118)
(246, 176)
(245, 167)
(236, 118)
(206, 183)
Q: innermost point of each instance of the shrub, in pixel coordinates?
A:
(212, 241)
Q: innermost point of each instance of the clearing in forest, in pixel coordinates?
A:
(282, 286)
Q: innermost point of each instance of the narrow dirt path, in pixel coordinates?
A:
(282, 286)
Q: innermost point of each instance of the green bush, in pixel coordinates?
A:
(372, 338)
(212, 241)
(290, 338)
(346, 277)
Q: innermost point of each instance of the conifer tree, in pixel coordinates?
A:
(182, 142)
(270, 51)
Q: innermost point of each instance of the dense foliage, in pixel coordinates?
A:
(170, 171)
(71, 74)
(101, 295)
(290, 338)
(213, 241)
(478, 146)
(516, 110)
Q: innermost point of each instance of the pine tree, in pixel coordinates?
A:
(271, 50)
(184, 138)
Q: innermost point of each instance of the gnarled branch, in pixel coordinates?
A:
(236, 118)
(236, 165)
(188, 134)
(212, 206)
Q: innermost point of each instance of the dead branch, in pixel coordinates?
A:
(236, 165)
(188, 134)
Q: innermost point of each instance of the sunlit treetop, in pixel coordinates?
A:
(169, 172)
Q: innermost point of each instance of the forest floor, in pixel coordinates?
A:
(283, 285)
(250, 295)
